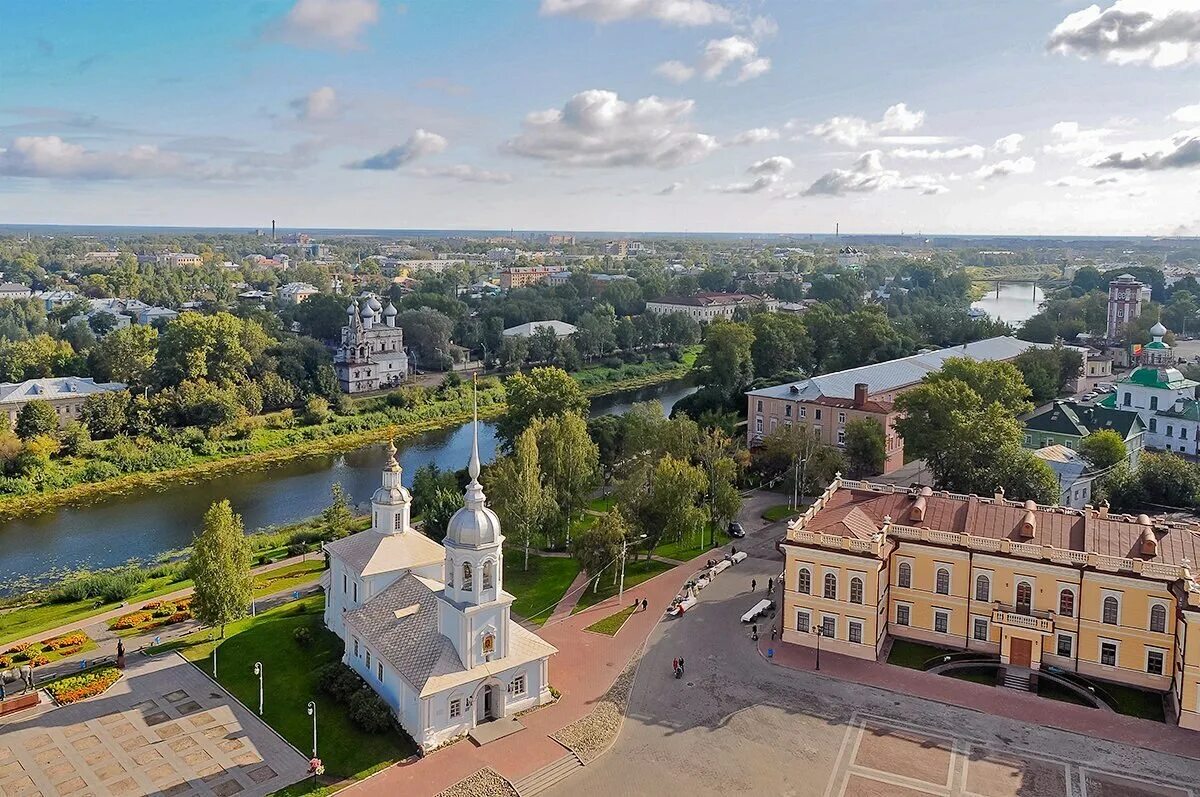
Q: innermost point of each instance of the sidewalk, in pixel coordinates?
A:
(567, 605)
(1008, 703)
(585, 667)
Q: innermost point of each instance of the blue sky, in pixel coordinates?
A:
(950, 116)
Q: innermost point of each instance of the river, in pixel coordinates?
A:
(109, 533)
(1011, 302)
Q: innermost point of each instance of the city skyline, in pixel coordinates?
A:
(638, 115)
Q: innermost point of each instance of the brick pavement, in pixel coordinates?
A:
(1030, 708)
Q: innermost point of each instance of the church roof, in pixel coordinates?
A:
(369, 553)
(1161, 378)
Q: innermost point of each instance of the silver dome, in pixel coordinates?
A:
(474, 526)
(391, 496)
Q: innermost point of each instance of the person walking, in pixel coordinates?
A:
(773, 629)
(681, 663)
(675, 664)
(753, 584)
(645, 604)
(770, 586)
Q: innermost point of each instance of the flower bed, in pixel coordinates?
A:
(153, 615)
(74, 688)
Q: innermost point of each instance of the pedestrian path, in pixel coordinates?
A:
(567, 605)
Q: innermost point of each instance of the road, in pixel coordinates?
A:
(739, 725)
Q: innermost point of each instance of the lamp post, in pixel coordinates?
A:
(621, 589)
(214, 664)
(312, 712)
(820, 632)
(800, 463)
(258, 670)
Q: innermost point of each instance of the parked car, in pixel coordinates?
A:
(1090, 396)
(736, 530)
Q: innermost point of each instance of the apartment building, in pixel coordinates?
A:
(178, 259)
(520, 276)
(65, 394)
(1110, 597)
(704, 307)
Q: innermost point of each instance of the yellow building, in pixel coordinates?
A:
(1110, 597)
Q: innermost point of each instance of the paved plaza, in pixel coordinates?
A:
(163, 729)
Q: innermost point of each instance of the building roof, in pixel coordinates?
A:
(561, 329)
(370, 552)
(53, 388)
(893, 374)
(711, 299)
(880, 407)
(13, 287)
(1159, 378)
(1079, 420)
(1066, 463)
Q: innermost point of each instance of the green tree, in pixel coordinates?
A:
(866, 447)
(337, 515)
(781, 343)
(440, 507)
(519, 493)
(1103, 448)
(106, 414)
(37, 417)
(543, 345)
(726, 357)
(600, 546)
(664, 500)
(993, 381)
(428, 481)
(541, 393)
(570, 462)
(127, 355)
(322, 316)
(220, 567)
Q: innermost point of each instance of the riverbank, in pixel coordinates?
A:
(277, 445)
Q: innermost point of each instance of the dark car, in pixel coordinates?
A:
(736, 530)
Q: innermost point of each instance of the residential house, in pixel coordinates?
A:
(65, 393)
(1065, 422)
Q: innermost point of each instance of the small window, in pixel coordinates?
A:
(904, 575)
(831, 586)
(1183, 433)
(1154, 424)
(1154, 402)
(450, 574)
(1024, 597)
(856, 590)
(1170, 430)
(803, 411)
(803, 622)
(455, 708)
(841, 437)
(758, 425)
(379, 671)
(828, 627)
(487, 574)
(816, 413)
(1108, 654)
(399, 522)
(942, 584)
(1154, 662)
(758, 407)
(983, 588)
(902, 615)
(467, 586)
(841, 417)
(855, 634)
(1065, 645)
(356, 592)
(804, 582)
(345, 583)
(1111, 610)
(356, 648)
(368, 660)
(1158, 618)
(1127, 400)
(980, 629)
(517, 687)
(787, 411)
(1066, 603)
(941, 622)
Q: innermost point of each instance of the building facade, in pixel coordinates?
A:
(296, 292)
(1066, 423)
(427, 626)
(520, 276)
(371, 355)
(65, 394)
(705, 307)
(1162, 397)
(1124, 303)
(1110, 597)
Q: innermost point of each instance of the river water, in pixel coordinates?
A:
(1014, 303)
(109, 533)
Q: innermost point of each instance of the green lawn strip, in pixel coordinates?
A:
(779, 512)
(691, 546)
(912, 655)
(974, 676)
(284, 578)
(541, 586)
(290, 675)
(1136, 702)
(612, 624)
(1052, 691)
(635, 573)
(602, 504)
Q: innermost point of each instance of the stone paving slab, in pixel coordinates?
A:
(164, 728)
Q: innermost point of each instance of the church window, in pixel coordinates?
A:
(345, 582)
(399, 522)
(356, 592)
(1154, 402)
(450, 574)
(487, 575)
(368, 659)
(1158, 618)
(455, 708)
(1154, 424)
(489, 644)
(517, 687)
(466, 582)
(379, 671)
(356, 648)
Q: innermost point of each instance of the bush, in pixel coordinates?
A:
(339, 681)
(303, 636)
(296, 549)
(5, 662)
(179, 617)
(109, 587)
(316, 411)
(131, 620)
(39, 660)
(369, 712)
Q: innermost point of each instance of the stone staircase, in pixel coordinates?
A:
(538, 781)
(1017, 679)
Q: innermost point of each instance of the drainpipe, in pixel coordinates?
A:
(1079, 616)
(970, 592)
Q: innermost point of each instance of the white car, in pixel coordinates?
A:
(759, 610)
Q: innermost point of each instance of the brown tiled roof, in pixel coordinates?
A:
(859, 513)
(880, 407)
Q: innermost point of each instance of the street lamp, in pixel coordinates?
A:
(258, 670)
(312, 712)
(820, 632)
(621, 589)
(799, 463)
(214, 664)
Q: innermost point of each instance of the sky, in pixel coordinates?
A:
(939, 116)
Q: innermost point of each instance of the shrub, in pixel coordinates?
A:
(179, 617)
(316, 411)
(131, 620)
(39, 659)
(80, 687)
(110, 587)
(303, 636)
(5, 662)
(369, 712)
(296, 548)
(339, 681)
(73, 639)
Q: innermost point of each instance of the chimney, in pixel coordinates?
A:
(998, 496)
(1103, 508)
(1149, 544)
(860, 395)
(1029, 521)
(272, 229)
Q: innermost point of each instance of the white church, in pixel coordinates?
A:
(427, 625)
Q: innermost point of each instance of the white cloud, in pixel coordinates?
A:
(1072, 139)
(318, 104)
(755, 135)
(675, 71)
(670, 189)
(1182, 151)
(467, 174)
(1005, 168)
(1188, 113)
(685, 13)
(867, 175)
(420, 144)
(51, 157)
(766, 173)
(752, 69)
(597, 128)
(1010, 144)
(1071, 181)
(763, 28)
(327, 23)
(850, 131)
(1160, 33)
(926, 184)
(972, 152)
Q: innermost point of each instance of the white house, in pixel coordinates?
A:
(1163, 398)
(428, 626)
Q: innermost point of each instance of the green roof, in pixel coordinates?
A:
(1079, 420)
(1190, 411)
(1159, 378)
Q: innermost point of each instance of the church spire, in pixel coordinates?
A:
(474, 494)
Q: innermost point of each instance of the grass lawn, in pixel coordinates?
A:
(1136, 702)
(1052, 691)
(635, 573)
(974, 676)
(291, 681)
(912, 654)
(612, 624)
(539, 587)
(604, 503)
(779, 512)
(690, 546)
(284, 578)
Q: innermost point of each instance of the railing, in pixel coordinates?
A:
(1042, 622)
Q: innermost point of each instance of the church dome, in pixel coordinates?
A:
(1158, 330)
(473, 526)
(374, 304)
(353, 308)
(390, 311)
(391, 496)
(367, 312)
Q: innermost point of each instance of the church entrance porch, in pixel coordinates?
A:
(489, 703)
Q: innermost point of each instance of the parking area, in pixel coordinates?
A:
(163, 729)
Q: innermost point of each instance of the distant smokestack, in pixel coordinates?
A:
(837, 229)
(272, 229)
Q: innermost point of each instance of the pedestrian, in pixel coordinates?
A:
(120, 654)
(770, 586)
(645, 604)
(754, 632)
(734, 550)
(753, 584)
(773, 629)
(681, 663)
(675, 664)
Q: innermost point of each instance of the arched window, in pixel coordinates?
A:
(1024, 597)
(1158, 618)
(942, 584)
(450, 574)
(1111, 610)
(1066, 603)
(856, 590)
(804, 583)
(487, 574)
(904, 575)
(983, 588)
(831, 586)
(466, 582)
